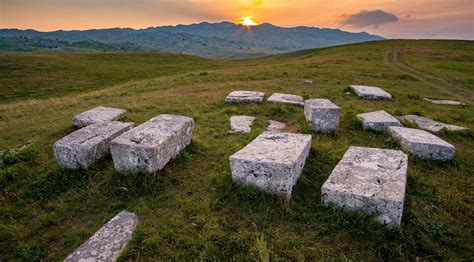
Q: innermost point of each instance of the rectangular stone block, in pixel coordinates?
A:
(107, 243)
(241, 124)
(151, 145)
(378, 121)
(85, 146)
(423, 144)
(370, 92)
(323, 114)
(239, 97)
(371, 180)
(272, 162)
(286, 99)
(433, 126)
(97, 115)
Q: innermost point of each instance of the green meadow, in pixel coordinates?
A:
(192, 210)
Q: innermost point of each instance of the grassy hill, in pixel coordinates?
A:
(191, 209)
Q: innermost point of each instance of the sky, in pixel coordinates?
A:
(448, 19)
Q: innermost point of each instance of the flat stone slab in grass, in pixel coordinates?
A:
(151, 145)
(239, 97)
(96, 115)
(107, 243)
(323, 114)
(423, 144)
(84, 147)
(241, 124)
(308, 81)
(444, 102)
(286, 99)
(372, 180)
(370, 92)
(433, 126)
(378, 121)
(272, 162)
(275, 126)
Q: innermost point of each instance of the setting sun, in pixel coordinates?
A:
(247, 21)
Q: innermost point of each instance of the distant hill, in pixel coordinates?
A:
(223, 39)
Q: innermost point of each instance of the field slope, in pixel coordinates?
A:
(191, 209)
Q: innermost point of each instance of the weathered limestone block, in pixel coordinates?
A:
(433, 126)
(378, 121)
(107, 243)
(151, 145)
(372, 180)
(370, 92)
(323, 114)
(241, 124)
(286, 99)
(85, 146)
(275, 126)
(423, 144)
(239, 97)
(444, 102)
(272, 162)
(96, 115)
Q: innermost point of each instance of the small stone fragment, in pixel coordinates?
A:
(372, 180)
(444, 102)
(107, 243)
(239, 97)
(97, 115)
(308, 81)
(423, 144)
(370, 92)
(323, 114)
(275, 126)
(241, 124)
(433, 126)
(378, 121)
(286, 99)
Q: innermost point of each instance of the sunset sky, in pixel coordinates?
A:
(389, 18)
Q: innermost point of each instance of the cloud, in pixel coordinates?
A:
(366, 18)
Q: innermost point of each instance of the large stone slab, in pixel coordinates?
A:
(423, 144)
(444, 102)
(151, 145)
(97, 115)
(378, 121)
(239, 97)
(286, 99)
(372, 180)
(323, 114)
(370, 92)
(107, 243)
(275, 126)
(272, 162)
(433, 126)
(241, 124)
(85, 146)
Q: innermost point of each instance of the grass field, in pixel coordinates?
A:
(191, 209)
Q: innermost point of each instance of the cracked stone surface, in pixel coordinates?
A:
(107, 243)
(97, 115)
(241, 124)
(275, 126)
(372, 180)
(272, 162)
(84, 147)
(323, 114)
(378, 121)
(286, 99)
(239, 97)
(423, 144)
(432, 125)
(151, 145)
(444, 102)
(370, 92)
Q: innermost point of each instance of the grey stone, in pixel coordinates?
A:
(372, 180)
(241, 124)
(239, 97)
(108, 242)
(272, 162)
(423, 144)
(85, 146)
(151, 145)
(308, 81)
(378, 121)
(97, 115)
(286, 99)
(444, 102)
(323, 114)
(275, 126)
(370, 92)
(433, 126)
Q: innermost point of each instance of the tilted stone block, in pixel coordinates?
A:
(423, 144)
(323, 114)
(241, 124)
(107, 243)
(97, 115)
(370, 92)
(151, 145)
(433, 126)
(239, 97)
(286, 99)
(84, 147)
(378, 121)
(272, 162)
(371, 180)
